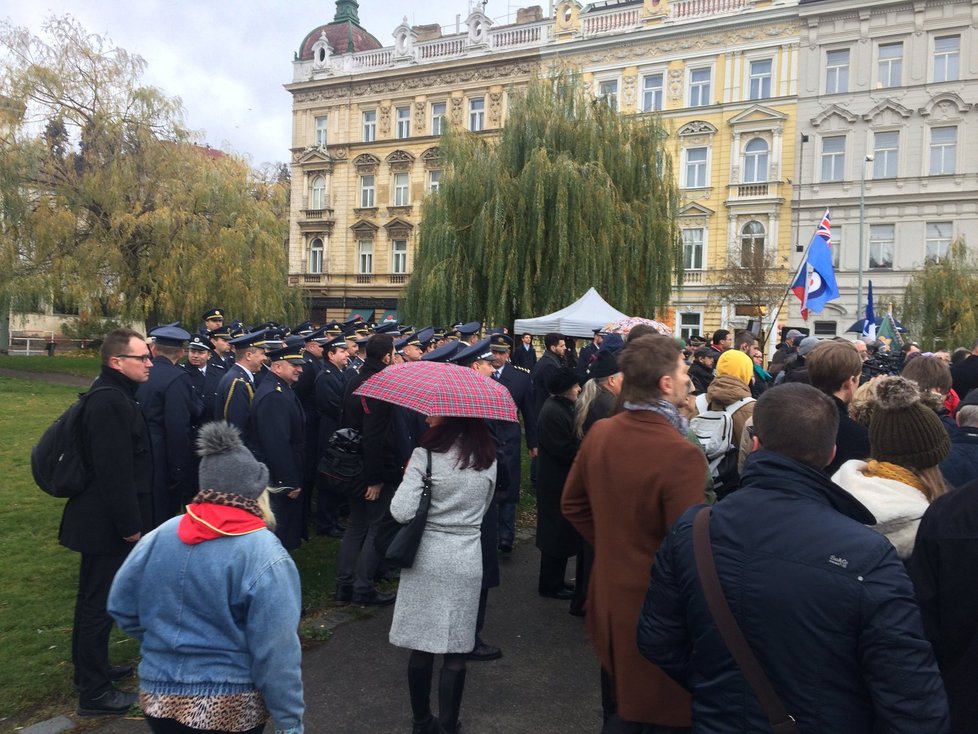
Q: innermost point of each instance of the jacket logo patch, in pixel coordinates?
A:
(841, 562)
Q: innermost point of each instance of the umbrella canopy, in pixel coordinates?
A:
(623, 326)
(434, 388)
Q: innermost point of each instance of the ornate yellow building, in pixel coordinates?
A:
(367, 119)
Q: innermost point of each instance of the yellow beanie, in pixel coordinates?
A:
(737, 364)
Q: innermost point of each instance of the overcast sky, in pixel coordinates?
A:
(227, 60)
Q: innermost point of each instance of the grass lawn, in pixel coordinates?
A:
(80, 366)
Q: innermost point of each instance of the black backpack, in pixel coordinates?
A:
(57, 460)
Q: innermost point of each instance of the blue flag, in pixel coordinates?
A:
(815, 285)
(869, 325)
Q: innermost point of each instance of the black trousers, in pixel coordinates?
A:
(552, 571)
(172, 726)
(90, 634)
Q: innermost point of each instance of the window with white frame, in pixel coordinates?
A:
(943, 150)
(477, 114)
(438, 117)
(890, 65)
(833, 158)
(947, 58)
(401, 189)
(316, 250)
(696, 163)
(365, 257)
(755, 161)
(690, 324)
(693, 238)
(402, 119)
(369, 126)
(318, 199)
(367, 189)
(835, 246)
(699, 86)
(886, 147)
(434, 181)
(608, 91)
(881, 241)
(652, 93)
(321, 131)
(752, 245)
(399, 257)
(938, 240)
(760, 79)
(837, 71)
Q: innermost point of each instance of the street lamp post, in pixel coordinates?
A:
(862, 232)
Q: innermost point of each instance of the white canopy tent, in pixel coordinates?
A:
(581, 318)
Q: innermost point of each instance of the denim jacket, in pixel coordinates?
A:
(218, 617)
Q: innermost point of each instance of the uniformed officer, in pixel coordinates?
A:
(305, 391)
(204, 376)
(517, 381)
(222, 355)
(438, 339)
(353, 344)
(413, 346)
(478, 356)
(237, 388)
(212, 318)
(273, 337)
(171, 409)
(328, 391)
(276, 430)
(588, 354)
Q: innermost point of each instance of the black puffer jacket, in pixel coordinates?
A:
(823, 601)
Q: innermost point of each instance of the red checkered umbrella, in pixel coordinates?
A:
(435, 388)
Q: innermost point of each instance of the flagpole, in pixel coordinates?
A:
(802, 264)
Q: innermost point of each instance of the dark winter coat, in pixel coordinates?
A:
(701, 375)
(374, 419)
(305, 391)
(205, 386)
(602, 406)
(328, 389)
(558, 447)
(524, 357)
(961, 465)
(545, 367)
(851, 440)
(117, 502)
(964, 375)
(943, 571)
(172, 409)
(517, 381)
(823, 600)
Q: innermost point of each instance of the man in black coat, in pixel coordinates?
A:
(834, 368)
(517, 380)
(277, 437)
(551, 361)
(846, 650)
(328, 391)
(305, 390)
(172, 409)
(588, 354)
(205, 376)
(524, 355)
(964, 373)
(237, 388)
(943, 571)
(961, 465)
(359, 559)
(105, 521)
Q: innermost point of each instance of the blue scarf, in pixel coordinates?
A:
(664, 408)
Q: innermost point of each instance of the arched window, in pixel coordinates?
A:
(318, 193)
(755, 161)
(316, 256)
(752, 245)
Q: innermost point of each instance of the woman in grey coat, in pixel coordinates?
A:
(438, 597)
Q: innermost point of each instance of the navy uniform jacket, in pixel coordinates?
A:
(305, 390)
(234, 396)
(584, 360)
(517, 381)
(328, 390)
(205, 387)
(171, 409)
(276, 430)
(224, 363)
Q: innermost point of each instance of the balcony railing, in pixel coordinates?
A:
(623, 20)
(747, 191)
(686, 9)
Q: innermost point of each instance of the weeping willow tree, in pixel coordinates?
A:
(940, 303)
(106, 205)
(571, 195)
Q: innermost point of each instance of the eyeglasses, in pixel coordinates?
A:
(140, 357)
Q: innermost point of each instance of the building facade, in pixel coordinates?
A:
(886, 110)
(722, 74)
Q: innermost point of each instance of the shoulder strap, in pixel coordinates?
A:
(734, 407)
(702, 403)
(781, 722)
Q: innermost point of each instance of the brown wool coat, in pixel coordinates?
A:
(633, 477)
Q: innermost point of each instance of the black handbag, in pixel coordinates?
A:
(404, 545)
(342, 463)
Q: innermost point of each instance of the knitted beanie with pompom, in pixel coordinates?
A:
(903, 430)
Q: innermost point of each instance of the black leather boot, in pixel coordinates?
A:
(419, 671)
(451, 683)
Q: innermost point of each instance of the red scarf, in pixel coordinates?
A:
(206, 521)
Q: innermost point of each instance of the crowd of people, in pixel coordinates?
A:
(838, 541)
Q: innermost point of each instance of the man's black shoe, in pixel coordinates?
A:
(374, 599)
(344, 593)
(116, 672)
(561, 593)
(484, 653)
(111, 703)
(505, 548)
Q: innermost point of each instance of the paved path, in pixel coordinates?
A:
(546, 682)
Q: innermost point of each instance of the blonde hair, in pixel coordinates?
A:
(933, 482)
(592, 388)
(863, 403)
(265, 506)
